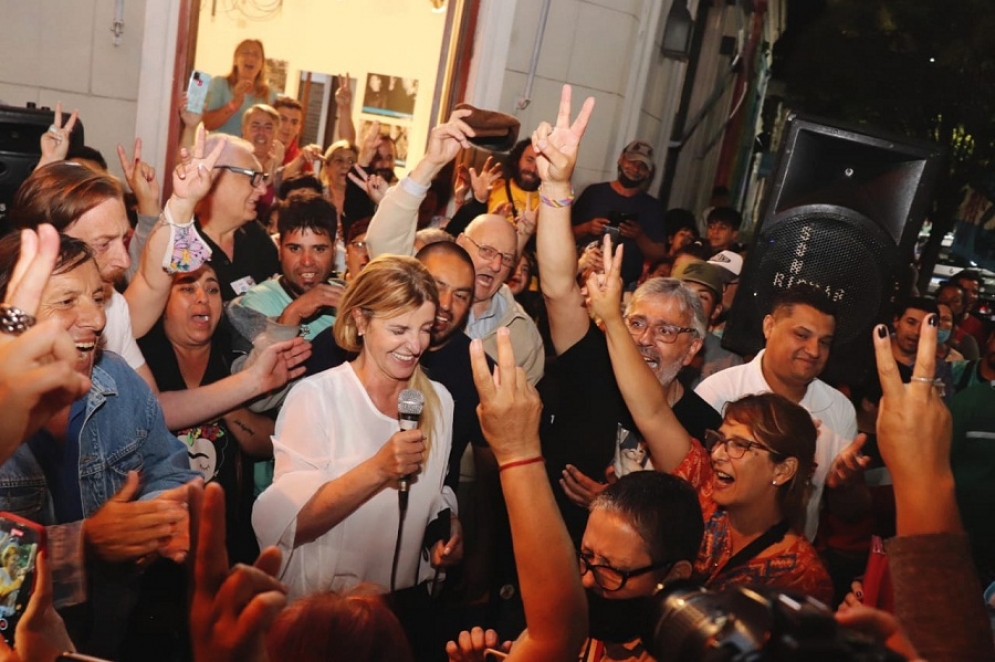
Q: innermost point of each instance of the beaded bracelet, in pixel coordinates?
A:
(519, 463)
(557, 204)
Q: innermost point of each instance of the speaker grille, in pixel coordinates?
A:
(841, 252)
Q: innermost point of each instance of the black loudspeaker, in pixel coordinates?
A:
(20, 148)
(843, 213)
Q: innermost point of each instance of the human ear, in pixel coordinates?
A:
(784, 471)
(768, 326)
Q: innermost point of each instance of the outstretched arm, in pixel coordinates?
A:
(555, 608)
(556, 155)
(930, 555)
(393, 227)
(645, 397)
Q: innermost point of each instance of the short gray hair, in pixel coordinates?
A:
(687, 300)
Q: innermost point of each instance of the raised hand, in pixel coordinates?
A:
(446, 140)
(368, 145)
(192, 177)
(374, 185)
(556, 146)
(55, 141)
(509, 406)
(232, 608)
(482, 182)
(605, 289)
(141, 178)
(37, 369)
(343, 93)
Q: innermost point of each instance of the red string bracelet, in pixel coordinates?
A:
(518, 463)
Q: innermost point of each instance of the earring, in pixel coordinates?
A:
(774, 483)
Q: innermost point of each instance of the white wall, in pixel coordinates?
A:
(54, 50)
(606, 49)
(394, 37)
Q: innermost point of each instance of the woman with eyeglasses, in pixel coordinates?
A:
(752, 475)
(339, 159)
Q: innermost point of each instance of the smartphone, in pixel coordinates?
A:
(20, 542)
(197, 91)
(79, 657)
(494, 655)
(617, 218)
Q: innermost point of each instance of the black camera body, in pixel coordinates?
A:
(752, 624)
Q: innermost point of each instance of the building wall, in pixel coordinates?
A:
(63, 51)
(603, 48)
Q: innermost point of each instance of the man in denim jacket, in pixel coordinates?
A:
(104, 475)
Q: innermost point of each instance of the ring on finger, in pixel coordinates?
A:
(14, 321)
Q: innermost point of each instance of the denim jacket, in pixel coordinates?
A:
(123, 430)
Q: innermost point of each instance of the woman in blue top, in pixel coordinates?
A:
(229, 97)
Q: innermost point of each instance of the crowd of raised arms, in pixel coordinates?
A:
(303, 410)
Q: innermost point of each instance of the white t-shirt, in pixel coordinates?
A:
(328, 426)
(838, 419)
(117, 335)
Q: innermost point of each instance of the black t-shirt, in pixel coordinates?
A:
(600, 200)
(214, 452)
(255, 260)
(583, 411)
(449, 365)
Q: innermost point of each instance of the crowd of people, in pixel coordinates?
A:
(288, 415)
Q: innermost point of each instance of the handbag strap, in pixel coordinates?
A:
(771, 536)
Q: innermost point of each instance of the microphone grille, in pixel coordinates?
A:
(410, 401)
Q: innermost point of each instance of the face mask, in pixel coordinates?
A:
(629, 183)
(942, 336)
(617, 621)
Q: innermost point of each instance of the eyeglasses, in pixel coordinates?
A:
(343, 159)
(610, 578)
(255, 178)
(359, 246)
(735, 447)
(665, 333)
(489, 252)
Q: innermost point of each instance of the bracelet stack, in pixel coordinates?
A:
(556, 203)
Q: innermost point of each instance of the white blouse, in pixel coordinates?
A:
(328, 426)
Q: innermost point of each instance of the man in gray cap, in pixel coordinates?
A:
(623, 208)
(706, 279)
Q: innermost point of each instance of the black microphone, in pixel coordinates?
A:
(409, 406)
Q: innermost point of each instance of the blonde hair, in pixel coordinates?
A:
(386, 287)
(334, 147)
(261, 80)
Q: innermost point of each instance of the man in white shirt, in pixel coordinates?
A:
(799, 332)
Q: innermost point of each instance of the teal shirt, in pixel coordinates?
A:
(219, 94)
(271, 299)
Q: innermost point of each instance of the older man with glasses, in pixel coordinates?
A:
(242, 254)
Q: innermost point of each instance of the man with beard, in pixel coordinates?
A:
(300, 296)
(520, 185)
(624, 204)
(587, 427)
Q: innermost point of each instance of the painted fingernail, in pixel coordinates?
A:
(882, 331)
(933, 320)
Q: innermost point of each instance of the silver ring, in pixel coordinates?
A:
(53, 129)
(14, 321)
(928, 380)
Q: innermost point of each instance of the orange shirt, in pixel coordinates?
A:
(792, 564)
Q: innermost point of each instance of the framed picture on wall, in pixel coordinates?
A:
(390, 96)
(277, 75)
